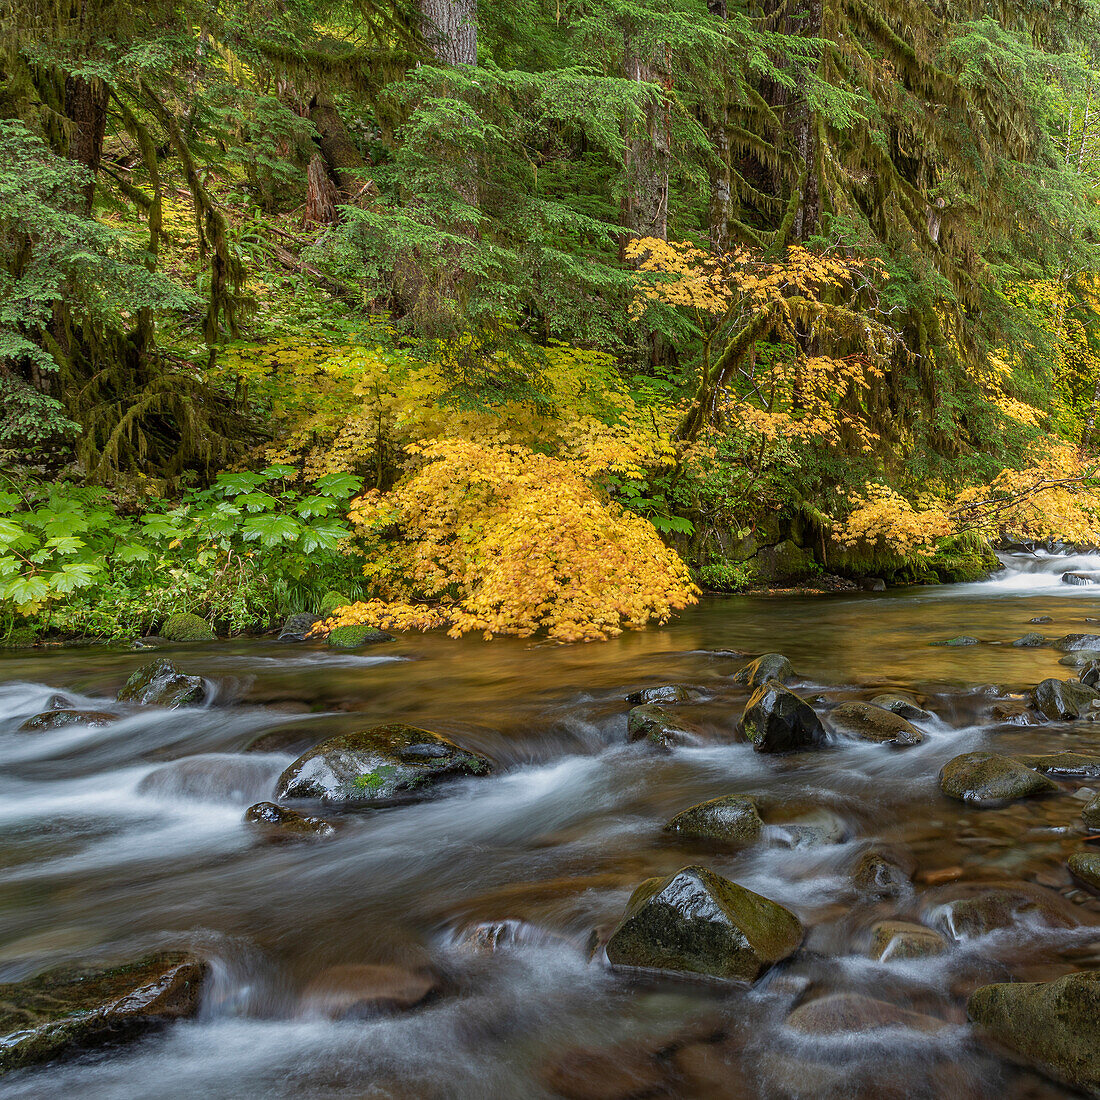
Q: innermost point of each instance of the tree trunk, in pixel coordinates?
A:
(644, 210)
(450, 30)
(342, 157)
(720, 180)
(86, 108)
(321, 193)
(808, 219)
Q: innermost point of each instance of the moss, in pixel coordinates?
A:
(963, 559)
(354, 636)
(330, 601)
(19, 637)
(187, 628)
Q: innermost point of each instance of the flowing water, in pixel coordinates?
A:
(130, 836)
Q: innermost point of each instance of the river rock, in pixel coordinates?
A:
(770, 666)
(279, 822)
(900, 939)
(666, 693)
(357, 992)
(777, 720)
(988, 777)
(994, 910)
(958, 640)
(1055, 1024)
(872, 723)
(1090, 674)
(1090, 815)
(876, 875)
(1041, 619)
(1080, 578)
(698, 922)
(1029, 641)
(1015, 712)
(296, 627)
(903, 705)
(625, 1071)
(161, 684)
(187, 628)
(1086, 867)
(375, 764)
(355, 635)
(1070, 642)
(814, 828)
(58, 719)
(840, 1012)
(1063, 700)
(1080, 658)
(733, 819)
(69, 1010)
(655, 725)
(1072, 765)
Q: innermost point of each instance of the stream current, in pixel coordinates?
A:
(130, 837)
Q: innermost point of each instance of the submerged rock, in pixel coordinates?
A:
(873, 723)
(59, 719)
(958, 640)
(356, 635)
(666, 693)
(211, 777)
(1080, 658)
(1074, 765)
(814, 828)
(1090, 815)
(1041, 619)
(1030, 641)
(655, 725)
(1014, 711)
(187, 628)
(1063, 700)
(1070, 642)
(381, 763)
(357, 992)
(840, 1012)
(1055, 1024)
(68, 1011)
(296, 627)
(876, 875)
(161, 684)
(988, 777)
(900, 939)
(1086, 867)
(903, 705)
(733, 819)
(1080, 578)
(777, 720)
(698, 922)
(771, 666)
(279, 822)
(995, 910)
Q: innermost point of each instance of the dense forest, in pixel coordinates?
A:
(535, 317)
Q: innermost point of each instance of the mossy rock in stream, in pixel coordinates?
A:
(1063, 700)
(187, 628)
(59, 719)
(868, 722)
(960, 560)
(903, 705)
(768, 666)
(900, 940)
(657, 727)
(697, 922)
(1069, 765)
(69, 1011)
(161, 684)
(355, 635)
(378, 764)
(777, 720)
(1086, 867)
(987, 778)
(1070, 643)
(20, 637)
(733, 819)
(1054, 1024)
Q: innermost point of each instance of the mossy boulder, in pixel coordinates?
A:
(1071, 765)
(1090, 815)
(697, 922)
(161, 684)
(376, 765)
(903, 705)
(19, 637)
(296, 627)
(1063, 700)
(1090, 674)
(1086, 867)
(962, 560)
(330, 601)
(868, 722)
(987, 778)
(769, 666)
(733, 819)
(656, 726)
(69, 1011)
(993, 910)
(777, 720)
(355, 635)
(282, 823)
(1029, 641)
(959, 641)
(1080, 658)
(59, 719)
(786, 561)
(900, 940)
(187, 628)
(1070, 643)
(1054, 1024)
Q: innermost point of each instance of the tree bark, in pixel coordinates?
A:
(86, 108)
(808, 219)
(341, 155)
(644, 211)
(450, 30)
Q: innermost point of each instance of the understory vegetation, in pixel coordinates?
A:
(535, 318)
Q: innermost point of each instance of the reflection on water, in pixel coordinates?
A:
(131, 835)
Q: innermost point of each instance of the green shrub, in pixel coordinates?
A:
(727, 576)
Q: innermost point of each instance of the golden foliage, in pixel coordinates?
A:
(880, 516)
(500, 539)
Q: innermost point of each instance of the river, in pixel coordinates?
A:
(131, 836)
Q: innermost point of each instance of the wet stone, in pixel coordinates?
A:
(987, 778)
(1041, 619)
(622, 1072)
(1080, 658)
(872, 723)
(899, 940)
(698, 922)
(876, 875)
(297, 627)
(667, 693)
(903, 705)
(1090, 674)
(839, 1012)
(733, 819)
(994, 910)
(1030, 641)
(281, 823)
(161, 684)
(770, 666)
(1014, 712)
(377, 764)
(58, 719)
(1075, 765)
(813, 829)
(959, 641)
(1070, 642)
(68, 1011)
(656, 726)
(1085, 866)
(777, 720)
(357, 992)
(1063, 700)
(1054, 1024)
(1090, 815)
